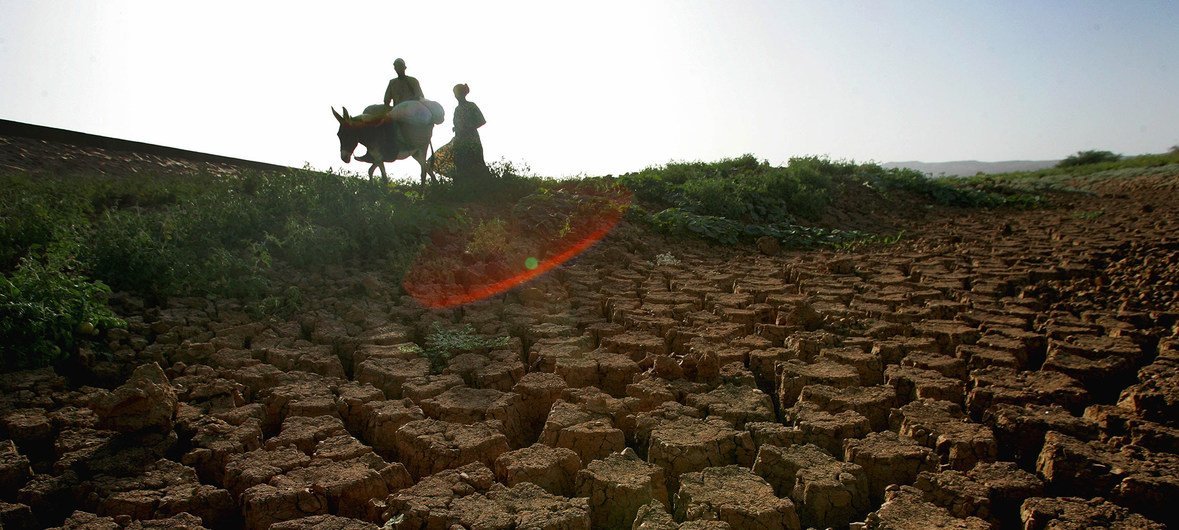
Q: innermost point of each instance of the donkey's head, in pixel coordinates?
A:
(349, 135)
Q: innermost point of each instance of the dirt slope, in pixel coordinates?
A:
(995, 369)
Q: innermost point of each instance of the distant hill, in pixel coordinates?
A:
(968, 168)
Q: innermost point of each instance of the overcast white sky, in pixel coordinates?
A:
(608, 87)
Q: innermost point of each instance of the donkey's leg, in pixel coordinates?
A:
(384, 176)
(371, 169)
(420, 156)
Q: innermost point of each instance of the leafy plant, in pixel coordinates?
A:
(666, 258)
(489, 238)
(442, 344)
(47, 310)
(1089, 157)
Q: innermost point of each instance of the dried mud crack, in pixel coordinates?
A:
(998, 369)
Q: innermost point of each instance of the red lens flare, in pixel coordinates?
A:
(561, 223)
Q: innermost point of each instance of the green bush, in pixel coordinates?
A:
(742, 189)
(46, 310)
(1083, 158)
(443, 343)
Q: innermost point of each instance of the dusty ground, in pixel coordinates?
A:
(995, 369)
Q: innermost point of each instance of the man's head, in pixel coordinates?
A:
(399, 66)
(461, 90)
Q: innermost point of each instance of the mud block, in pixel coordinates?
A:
(30, 427)
(1104, 365)
(1119, 425)
(1142, 480)
(614, 372)
(348, 485)
(763, 364)
(773, 433)
(793, 376)
(948, 334)
(51, 497)
(719, 333)
(1019, 430)
(420, 389)
(430, 502)
(314, 359)
(951, 367)
(246, 470)
(977, 357)
(389, 374)
(429, 446)
(990, 491)
(577, 370)
(827, 492)
(20, 517)
(1156, 395)
(737, 405)
(591, 434)
(942, 426)
(14, 469)
(636, 344)
(383, 418)
(688, 444)
(867, 365)
(538, 390)
(164, 489)
(994, 385)
(215, 441)
(957, 493)
(470, 405)
(737, 374)
(825, 429)
(1044, 513)
(351, 398)
(654, 516)
(736, 496)
(891, 351)
(872, 402)
(324, 522)
(915, 383)
(399, 350)
(303, 433)
(888, 458)
(1028, 347)
(264, 505)
(806, 346)
(650, 393)
(524, 505)
(551, 468)
(617, 486)
(1007, 487)
(906, 509)
(309, 397)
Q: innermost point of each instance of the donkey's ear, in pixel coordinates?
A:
(346, 116)
(339, 118)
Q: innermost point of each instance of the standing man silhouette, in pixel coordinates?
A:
(402, 87)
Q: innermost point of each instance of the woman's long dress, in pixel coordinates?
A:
(467, 147)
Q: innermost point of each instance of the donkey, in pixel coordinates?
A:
(385, 138)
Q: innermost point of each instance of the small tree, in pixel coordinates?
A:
(1089, 157)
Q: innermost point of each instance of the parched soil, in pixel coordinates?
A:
(996, 369)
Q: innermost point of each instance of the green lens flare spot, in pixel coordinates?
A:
(531, 263)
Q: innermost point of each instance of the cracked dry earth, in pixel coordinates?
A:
(995, 370)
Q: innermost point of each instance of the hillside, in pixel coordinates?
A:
(967, 168)
(192, 343)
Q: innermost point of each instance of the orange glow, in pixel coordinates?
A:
(451, 294)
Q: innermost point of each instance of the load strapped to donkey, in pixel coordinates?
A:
(390, 133)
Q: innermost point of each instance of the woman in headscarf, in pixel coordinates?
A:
(467, 148)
